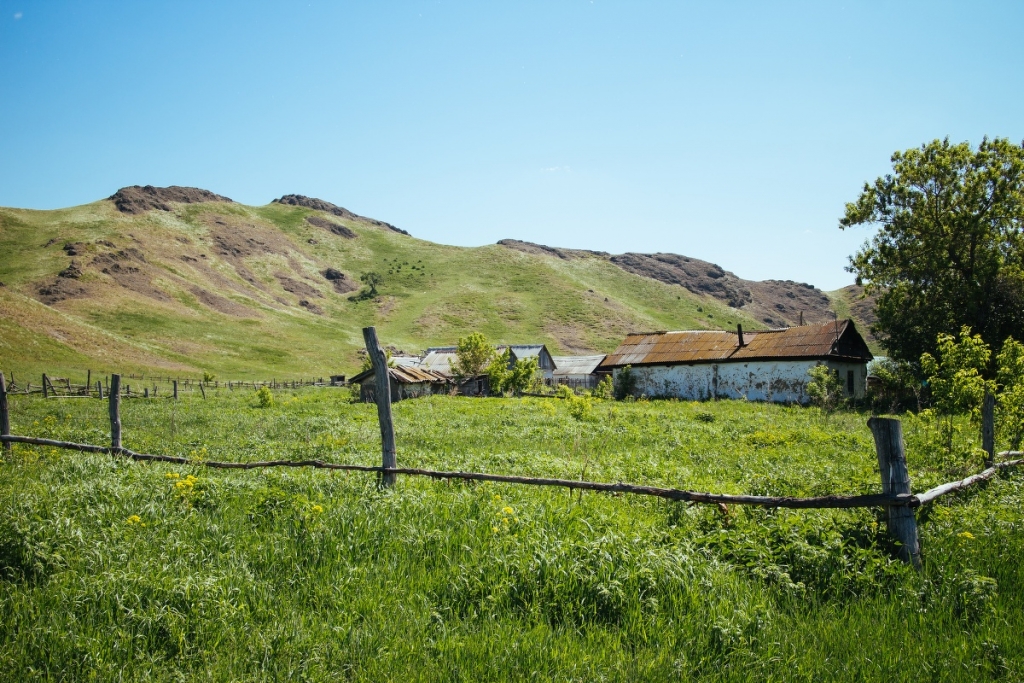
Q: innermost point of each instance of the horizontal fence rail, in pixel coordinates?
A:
(821, 502)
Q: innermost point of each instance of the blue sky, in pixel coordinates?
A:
(730, 131)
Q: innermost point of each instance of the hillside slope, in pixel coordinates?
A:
(183, 281)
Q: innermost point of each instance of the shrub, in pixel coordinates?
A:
(825, 388)
(208, 377)
(605, 388)
(625, 383)
(264, 399)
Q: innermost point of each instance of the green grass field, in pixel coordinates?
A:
(114, 570)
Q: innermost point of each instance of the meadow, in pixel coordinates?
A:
(116, 570)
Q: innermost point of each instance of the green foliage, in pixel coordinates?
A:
(899, 385)
(208, 377)
(955, 378)
(825, 388)
(264, 399)
(525, 375)
(473, 356)
(372, 280)
(625, 383)
(605, 388)
(498, 372)
(1010, 379)
(950, 249)
(578, 407)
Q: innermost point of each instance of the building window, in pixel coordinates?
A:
(849, 382)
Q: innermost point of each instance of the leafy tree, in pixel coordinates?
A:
(372, 280)
(825, 388)
(524, 374)
(1010, 378)
(604, 388)
(955, 379)
(899, 382)
(498, 372)
(625, 383)
(473, 355)
(949, 249)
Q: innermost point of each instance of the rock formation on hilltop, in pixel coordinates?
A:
(138, 199)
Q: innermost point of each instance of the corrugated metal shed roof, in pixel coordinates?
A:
(439, 361)
(576, 365)
(405, 375)
(831, 340)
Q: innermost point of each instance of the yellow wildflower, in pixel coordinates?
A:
(317, 509)
(507, 510)
(135, 519)
(172, 475)
(966, 535)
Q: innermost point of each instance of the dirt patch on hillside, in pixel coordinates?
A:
(333, 209)
(128, 268)
(297, 287)
(60, 289)
(220, 304)
(777, 303)
(139, 199)
(331, 226)
(342, 283)
(311, 307)
(543, 250)
(862, 308)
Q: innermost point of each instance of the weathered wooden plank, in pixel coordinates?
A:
(931, 494)
(382, 382)
(892, 466)
(5, 412)
(114, 410)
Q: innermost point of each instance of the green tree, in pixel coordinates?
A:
(1010, 378)
(372, 280)
(899, 384)
(625, 383)
(949, 249)
(473, 355)
(955, 377)
(825, 388)
(525, 374)
(498, 372)
(368, 362)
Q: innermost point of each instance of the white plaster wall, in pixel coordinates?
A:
(777, 381)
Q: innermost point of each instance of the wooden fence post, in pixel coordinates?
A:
(201, 389)
(88, 382)
(892, 465)
(45, 395)
(99, 389)
(175, 390)
(5, 413)
(988, 428)
(383, 397)
(115, 411)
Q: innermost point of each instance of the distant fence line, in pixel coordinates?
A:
(896, 496)
(148, 386)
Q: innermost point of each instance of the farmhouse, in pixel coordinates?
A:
(406, 382)
(759, 366)
(441, 358)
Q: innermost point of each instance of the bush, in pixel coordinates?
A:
(264, 399)
(825, 388)
(625, 383)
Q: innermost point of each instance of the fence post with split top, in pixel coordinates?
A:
(115, 411)
(382, 394)
(892, 465)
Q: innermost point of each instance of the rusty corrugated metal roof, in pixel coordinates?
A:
(708, 346)
(405, 375)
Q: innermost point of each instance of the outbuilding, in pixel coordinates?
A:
(578, 372)
(406, 382)
(769, 365)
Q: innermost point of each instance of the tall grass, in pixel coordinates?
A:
(113, 570)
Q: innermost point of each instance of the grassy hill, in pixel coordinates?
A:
(187, 281)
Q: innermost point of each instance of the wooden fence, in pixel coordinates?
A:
(896, 496)
(51, 386)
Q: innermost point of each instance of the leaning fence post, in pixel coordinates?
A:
(45, 395)
(99, 389)
(892, 465)
(202, 390)
(115, 412)
(383, 396)
(5, 413)
(988, 428)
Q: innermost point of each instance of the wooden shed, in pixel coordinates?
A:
(406, 382)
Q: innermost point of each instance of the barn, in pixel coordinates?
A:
(578, 372)
(406, 382)
(770, 365)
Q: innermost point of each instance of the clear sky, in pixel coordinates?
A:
(728, 131)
